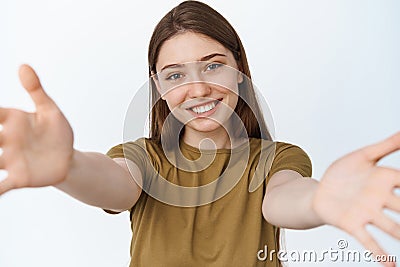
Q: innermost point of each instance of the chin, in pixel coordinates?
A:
(204, 125)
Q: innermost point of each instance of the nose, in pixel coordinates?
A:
(198, 89)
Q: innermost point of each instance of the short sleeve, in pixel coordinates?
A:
(291, 157)
(134, 151)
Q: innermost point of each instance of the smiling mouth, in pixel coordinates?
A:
(201, 109)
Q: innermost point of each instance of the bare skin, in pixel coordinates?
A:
(352, 193)
(38, 151)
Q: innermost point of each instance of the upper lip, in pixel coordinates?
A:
(197, 103)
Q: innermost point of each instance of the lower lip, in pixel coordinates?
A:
(205, 114)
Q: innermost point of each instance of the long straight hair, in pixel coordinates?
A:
(197, 17)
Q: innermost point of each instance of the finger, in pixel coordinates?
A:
(388, 176)
(31, 83)
(368, 241)
(2, 163)
(3, 114)
(6, 185)
(379, 150)
(388, 225)
(393, 203)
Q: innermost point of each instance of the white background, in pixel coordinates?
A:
(328, 69)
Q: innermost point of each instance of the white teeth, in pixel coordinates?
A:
(204, 108)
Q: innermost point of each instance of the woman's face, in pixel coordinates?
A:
(198, 78)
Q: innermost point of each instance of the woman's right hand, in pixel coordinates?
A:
(37, 147)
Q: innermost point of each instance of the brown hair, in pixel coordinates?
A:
(197, 17)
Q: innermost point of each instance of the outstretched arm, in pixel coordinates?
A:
(97, 180)
(288, 201)
(352, 193)
(38, 151)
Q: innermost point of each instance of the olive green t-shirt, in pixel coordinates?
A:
(207, 211)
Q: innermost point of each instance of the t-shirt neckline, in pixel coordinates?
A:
(241, 147)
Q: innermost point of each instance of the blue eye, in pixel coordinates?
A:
(213, 66)
(174, 76)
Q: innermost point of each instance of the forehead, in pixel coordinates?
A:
(188, 47)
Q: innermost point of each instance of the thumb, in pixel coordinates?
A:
(31, 83)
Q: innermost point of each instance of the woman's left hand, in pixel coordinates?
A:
(354, 191)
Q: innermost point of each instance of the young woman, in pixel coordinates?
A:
(175, 221)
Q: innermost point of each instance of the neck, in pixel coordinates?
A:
(207, 140)
(217, 139)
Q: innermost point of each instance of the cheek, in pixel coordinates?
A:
(232, 92)
(175, 97)
(229, 81)
(230, 87)
(234, 100)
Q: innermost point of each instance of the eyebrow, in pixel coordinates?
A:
(205, 58)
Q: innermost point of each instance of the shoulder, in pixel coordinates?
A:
(277, 147)
(279, 155)
(139, 151)
(139, 144)
(284, 147)
(291, 157)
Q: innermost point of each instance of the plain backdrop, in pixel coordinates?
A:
(328, 69)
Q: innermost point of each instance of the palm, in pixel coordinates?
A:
(37, 147)
(354, 191)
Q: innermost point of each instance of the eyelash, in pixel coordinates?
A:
(171, 77)
(215, 66)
